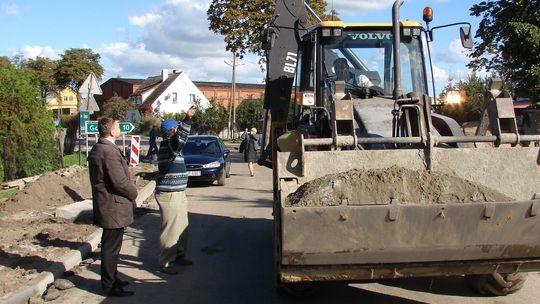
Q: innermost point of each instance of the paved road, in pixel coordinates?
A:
(231, 246)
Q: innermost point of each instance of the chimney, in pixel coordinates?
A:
(164, 74)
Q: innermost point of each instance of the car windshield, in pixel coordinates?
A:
(201, 146)
(364, 58)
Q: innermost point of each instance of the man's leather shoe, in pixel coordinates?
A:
(168, 270)
(120, 283)
(182, 261)
(118, 292)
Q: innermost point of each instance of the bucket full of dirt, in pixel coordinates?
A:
(380, 186)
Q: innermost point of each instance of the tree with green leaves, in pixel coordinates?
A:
(117, 107)
(75, 65)
(44, 69)
(26, 128)
(249, 112)
(472, 91)
(241, 22)
(215, 118)
(4, 61)
(510, 42)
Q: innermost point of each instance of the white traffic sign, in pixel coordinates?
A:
(90, 86)
(91, 106)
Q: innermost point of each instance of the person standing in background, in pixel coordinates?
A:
(152, 149)
(250, 146)
(113, 198)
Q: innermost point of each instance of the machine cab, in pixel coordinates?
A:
(341, 61)
(361, 56)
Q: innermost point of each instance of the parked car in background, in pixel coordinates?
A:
(207, 159)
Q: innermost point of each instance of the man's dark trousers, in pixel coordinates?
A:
(111, 243)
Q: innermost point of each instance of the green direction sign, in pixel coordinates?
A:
(92, 127)
(84, 117)
(126, 127)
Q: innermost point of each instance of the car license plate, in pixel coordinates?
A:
(194, 173)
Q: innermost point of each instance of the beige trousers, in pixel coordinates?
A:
(174, 226)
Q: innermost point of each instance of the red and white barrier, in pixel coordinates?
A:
(135, 148)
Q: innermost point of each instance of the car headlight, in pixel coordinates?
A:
(214, 164)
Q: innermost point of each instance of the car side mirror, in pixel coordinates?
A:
(226, 152)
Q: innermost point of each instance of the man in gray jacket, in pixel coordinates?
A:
(113, 196)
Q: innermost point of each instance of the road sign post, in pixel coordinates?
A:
(84, 116)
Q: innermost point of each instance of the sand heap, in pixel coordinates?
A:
(380, 186)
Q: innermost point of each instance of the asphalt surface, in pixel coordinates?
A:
(231, 245)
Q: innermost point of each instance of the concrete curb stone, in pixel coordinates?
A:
(70, 260)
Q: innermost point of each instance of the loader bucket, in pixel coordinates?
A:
(367, 239)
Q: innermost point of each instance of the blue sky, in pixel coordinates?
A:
(138, 38)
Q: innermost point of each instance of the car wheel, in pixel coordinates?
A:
(221, 179)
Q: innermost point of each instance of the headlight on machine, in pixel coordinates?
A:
(304, 98)
(214, 164)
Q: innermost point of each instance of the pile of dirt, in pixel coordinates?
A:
(31, 238)
(51, 190)
(62, 187)
(380, 186)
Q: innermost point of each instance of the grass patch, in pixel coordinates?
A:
(5, 194)
(73, 159)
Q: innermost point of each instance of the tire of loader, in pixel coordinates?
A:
(497, 284)
(296, 290)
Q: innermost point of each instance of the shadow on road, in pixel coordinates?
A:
(233, 263)
(450, 286)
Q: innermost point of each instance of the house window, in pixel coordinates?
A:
(174, 98)
(70, 98)
(65, 98)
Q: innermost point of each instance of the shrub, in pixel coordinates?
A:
(149, 121)
(26, 128)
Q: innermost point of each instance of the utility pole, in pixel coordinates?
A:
(232, 103)
(233, 89)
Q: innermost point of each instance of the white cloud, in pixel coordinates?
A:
(457, 54)
(165, 42)
(169, 34)
(440, 75)
(137, 60)
(144, 20)
(10, 9)
(358, 7)
(33, 51)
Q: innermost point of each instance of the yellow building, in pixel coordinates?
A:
(63, 103)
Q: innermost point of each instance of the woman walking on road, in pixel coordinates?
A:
(250, 146)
